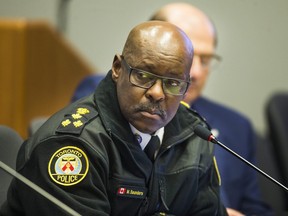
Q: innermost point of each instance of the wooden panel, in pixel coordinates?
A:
(12, 66)
(39, 72)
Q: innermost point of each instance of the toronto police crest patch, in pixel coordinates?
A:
(68, 166)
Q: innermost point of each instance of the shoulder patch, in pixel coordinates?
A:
(68, 166)
(73, 123)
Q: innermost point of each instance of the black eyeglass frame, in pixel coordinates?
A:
(163, 79)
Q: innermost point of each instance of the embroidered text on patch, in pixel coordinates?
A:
(68, 166)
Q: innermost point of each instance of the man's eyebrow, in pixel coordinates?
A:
(173, 74)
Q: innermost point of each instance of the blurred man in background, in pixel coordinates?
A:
(240, 188)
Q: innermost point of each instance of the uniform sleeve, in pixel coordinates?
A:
(68, 170)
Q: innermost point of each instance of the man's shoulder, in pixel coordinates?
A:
(74, 120)
(212, 109)
(71, 120)
(188, 117)
(63, 129)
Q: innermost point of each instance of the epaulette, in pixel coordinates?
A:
(74, 122)
(196, 113)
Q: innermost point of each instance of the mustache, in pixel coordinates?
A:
(153, 108)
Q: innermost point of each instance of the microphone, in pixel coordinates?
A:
(35, 187)
(206, 134)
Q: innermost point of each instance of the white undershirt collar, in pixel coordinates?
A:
(143, 138)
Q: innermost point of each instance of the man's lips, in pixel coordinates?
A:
(151, 114)
(154, 112)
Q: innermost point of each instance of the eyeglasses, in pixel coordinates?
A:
(209, 60)
(146, 80)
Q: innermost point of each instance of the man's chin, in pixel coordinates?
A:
(147, 127)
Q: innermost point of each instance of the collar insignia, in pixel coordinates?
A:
(138, 138)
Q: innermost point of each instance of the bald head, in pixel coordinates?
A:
(189, 18)
(158, 39)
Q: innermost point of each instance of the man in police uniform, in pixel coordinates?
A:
(226, 123)
(95, 155)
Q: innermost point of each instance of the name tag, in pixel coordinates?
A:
(132, 192)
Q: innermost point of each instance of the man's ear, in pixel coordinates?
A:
(116, 67)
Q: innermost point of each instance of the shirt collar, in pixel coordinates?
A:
(144, 138)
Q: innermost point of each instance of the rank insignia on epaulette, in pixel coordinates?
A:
(82, 111)
(76, 116)
(78, 123)
(68, 166)
(65, 122)
(74, 122)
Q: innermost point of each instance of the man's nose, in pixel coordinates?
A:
(156, 91)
